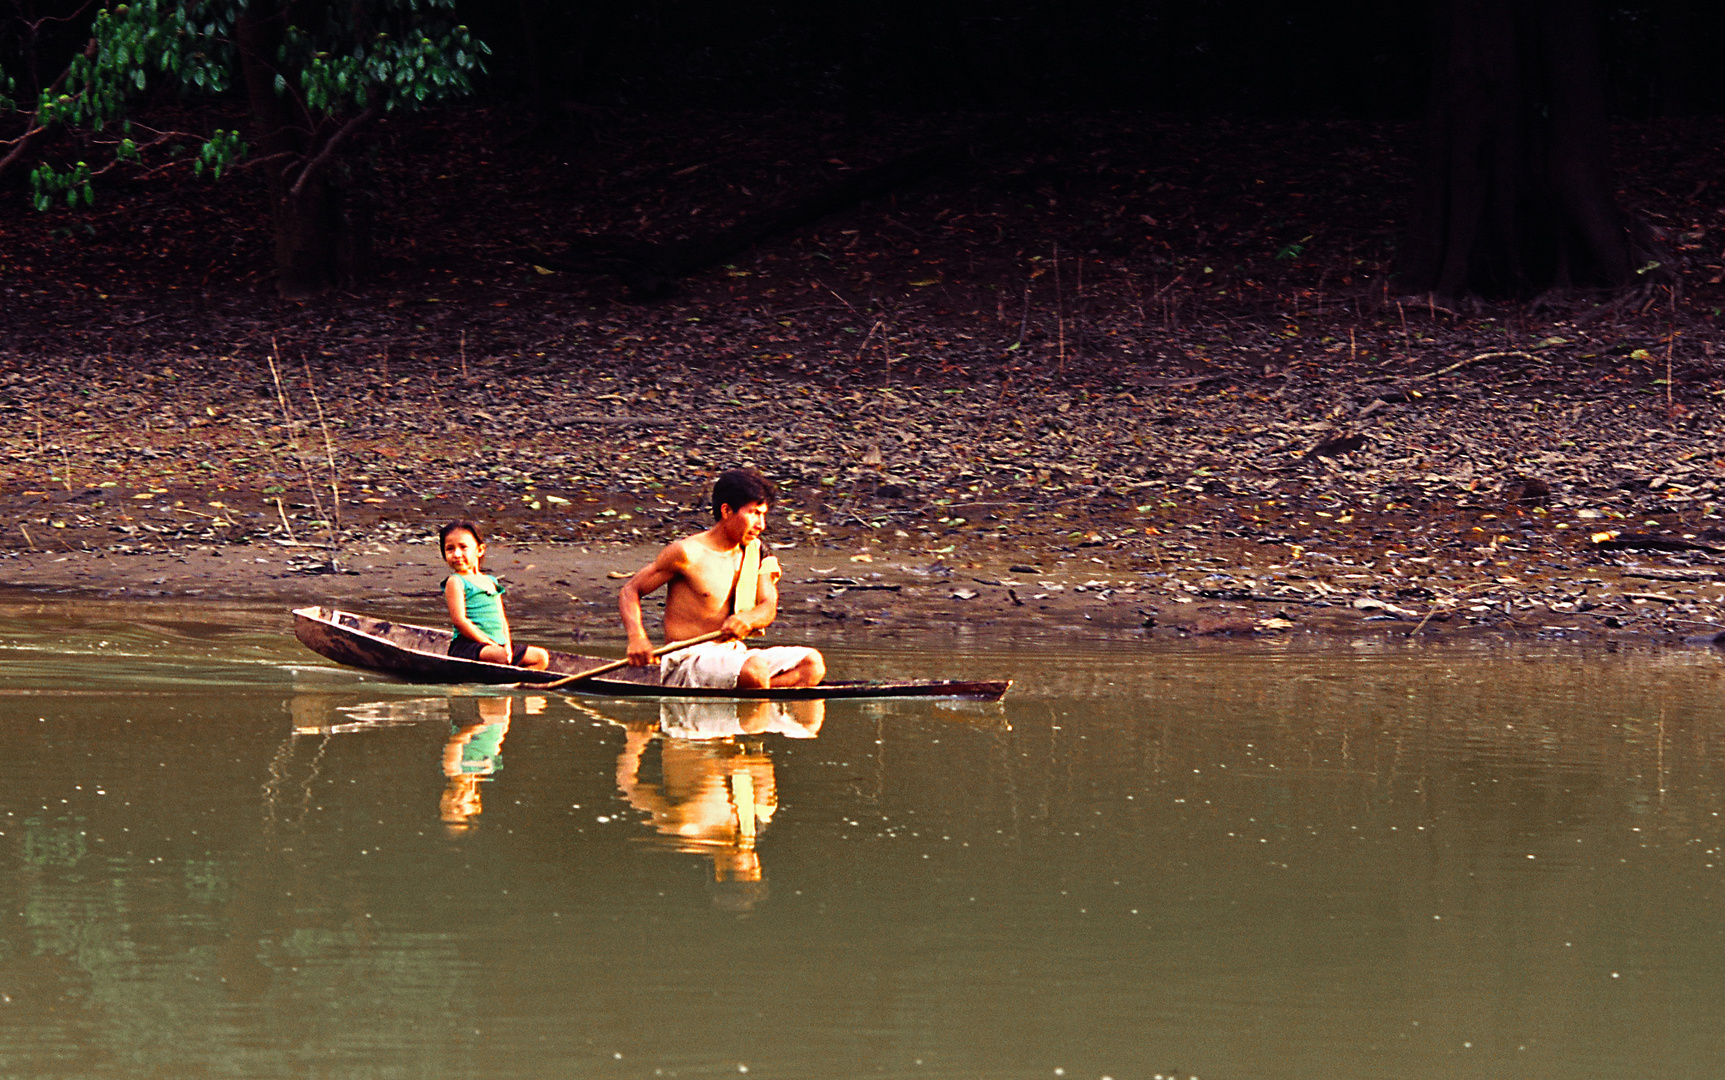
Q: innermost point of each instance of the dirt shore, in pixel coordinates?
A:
(1126, 514)
(1086, 385)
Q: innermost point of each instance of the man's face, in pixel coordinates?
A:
(746, 523)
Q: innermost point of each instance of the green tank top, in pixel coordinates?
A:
(483, 596)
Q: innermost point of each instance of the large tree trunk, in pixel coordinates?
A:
(1515, 192)
(307, 223)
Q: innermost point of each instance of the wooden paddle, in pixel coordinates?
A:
(602, 669)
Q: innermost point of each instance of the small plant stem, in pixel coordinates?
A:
(329, 454)
(464, 356)
(1353, 350)
(1670, 407)
(1059, 313)
(866, 339)
(293, 440)
(431, 382)
(282, 510)
(1078, 312)
(27, 538)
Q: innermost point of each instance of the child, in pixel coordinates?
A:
(476, 604)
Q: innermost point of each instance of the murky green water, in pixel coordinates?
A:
(219, 858)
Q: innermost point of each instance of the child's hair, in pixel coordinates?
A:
(458, 525)
(738, 488)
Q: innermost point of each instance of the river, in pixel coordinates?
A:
(220, 856)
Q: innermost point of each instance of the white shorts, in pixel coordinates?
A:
(715, 664)
(699, 721)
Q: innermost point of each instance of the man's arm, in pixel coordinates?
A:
(766, 608)
(671, 562)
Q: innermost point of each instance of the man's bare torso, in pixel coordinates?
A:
(698, 600)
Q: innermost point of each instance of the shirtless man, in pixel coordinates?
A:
(701, 572)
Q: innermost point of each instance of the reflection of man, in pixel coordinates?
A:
(718, 580)
(474, 754)
(718, 789)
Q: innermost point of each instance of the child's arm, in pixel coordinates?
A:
(457, 600)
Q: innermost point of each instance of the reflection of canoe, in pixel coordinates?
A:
(421, 653)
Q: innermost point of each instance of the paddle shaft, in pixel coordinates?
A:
(602, 669)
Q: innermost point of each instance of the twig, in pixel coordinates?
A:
(1670, 343)
(464, 356)
(217, 518)
(840, 299)
(22, 143)
(317, 164)
(1458, 365)
(293, 440)
(1078, 342)
(282, 510)
(866, 339)
(1435, 609)
(27, 538)
(329, 452)
(1059, 312)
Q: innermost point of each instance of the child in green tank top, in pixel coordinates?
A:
(476, 604)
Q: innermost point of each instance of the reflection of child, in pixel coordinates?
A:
(476, 604)
(473, 755)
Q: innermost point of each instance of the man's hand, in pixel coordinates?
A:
(640, 651)
(735, 627)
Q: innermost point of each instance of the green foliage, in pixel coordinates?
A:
(219, 153)
(74, 183)
(382, 55)
(417, 64)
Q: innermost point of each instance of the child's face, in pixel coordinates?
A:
(462, 551)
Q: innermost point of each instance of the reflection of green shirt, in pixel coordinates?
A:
(484, 599)
(483, 753)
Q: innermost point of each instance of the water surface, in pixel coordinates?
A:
(221, 857)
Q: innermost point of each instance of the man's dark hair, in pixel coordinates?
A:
(738, 488)
(459, 525)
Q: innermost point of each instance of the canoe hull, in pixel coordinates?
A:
(420, 654)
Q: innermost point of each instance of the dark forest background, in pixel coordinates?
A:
(1244, 58)
(1505, 183)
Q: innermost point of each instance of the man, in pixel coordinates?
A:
(709, 589)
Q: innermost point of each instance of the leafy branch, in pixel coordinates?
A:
(360, 61)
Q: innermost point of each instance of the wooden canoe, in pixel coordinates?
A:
(420, 653)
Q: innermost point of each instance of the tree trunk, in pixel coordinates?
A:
(307, 225)
(1515, 193)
